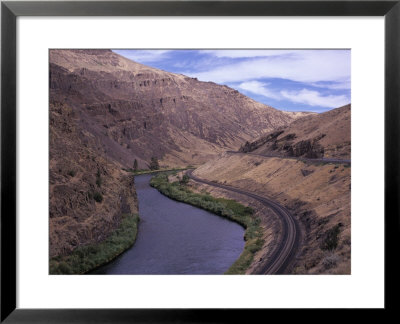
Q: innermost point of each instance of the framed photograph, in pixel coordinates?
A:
(192, 161)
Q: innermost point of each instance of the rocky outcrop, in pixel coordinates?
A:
(315, 136)
(88, 193)
(251, 146)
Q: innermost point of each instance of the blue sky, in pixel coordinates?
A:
(293, 80)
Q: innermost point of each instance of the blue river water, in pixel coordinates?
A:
(176, 238)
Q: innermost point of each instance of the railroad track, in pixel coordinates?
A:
(288, 244)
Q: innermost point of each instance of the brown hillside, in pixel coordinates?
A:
(135, 111)
(317, 195)
(315, 136)
(77, 175)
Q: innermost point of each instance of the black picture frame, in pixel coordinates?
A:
(10, 10)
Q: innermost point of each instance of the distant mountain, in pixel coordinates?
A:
(319, 135)
(135, 111)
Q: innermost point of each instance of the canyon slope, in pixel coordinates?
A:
(135, 112)
(325, 135)
(88, 193)
(317, 193)
(106, 111)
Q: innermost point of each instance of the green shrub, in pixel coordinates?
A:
(331, 238)
(71, 173)
(88, 257)
(98, 196)
(98, 182)
(98, 178)
(184, 180)
(154, 165)
(64, 267)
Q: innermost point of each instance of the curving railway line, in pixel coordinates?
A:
(288, 244)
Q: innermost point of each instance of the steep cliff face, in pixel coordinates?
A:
(315, 136)
(88, 193)
(138, 112)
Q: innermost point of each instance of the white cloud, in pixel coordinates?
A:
(144, 55)
(337, 85)
(247, 53)
(304, 96)
(314, 98)
(259, 88)
(307, 66)
(325, 69)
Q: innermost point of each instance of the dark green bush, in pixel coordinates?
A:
(154, 165)
(184, 180)
(98, 196)
(64, 268)
(331, 238)
(98, 182)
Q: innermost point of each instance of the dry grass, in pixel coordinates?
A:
(320, 200)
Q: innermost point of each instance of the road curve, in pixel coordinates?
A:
(289, 242)
(321, 160)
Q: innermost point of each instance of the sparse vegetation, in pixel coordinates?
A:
(89, 257)
(147, 171)
(154, 165)
(330, 261)
(184, 180)
(98, 178)
(98, 196)
(223, 207)
(331, 238)
(71, 173)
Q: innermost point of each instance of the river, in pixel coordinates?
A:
(176, 238)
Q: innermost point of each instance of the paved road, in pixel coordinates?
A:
(286, 249)
(322, 160)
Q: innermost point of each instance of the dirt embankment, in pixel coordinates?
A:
(317, 195)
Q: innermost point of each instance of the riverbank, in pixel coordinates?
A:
(220, 206)
(86, 258)
(318, 196)
(146, 171)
